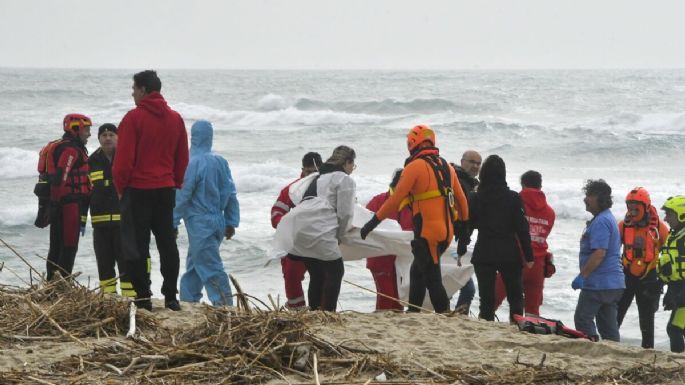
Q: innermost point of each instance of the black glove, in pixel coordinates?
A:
(461, 247)
(369, 226)
(462, 235)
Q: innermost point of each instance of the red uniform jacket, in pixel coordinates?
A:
(404, 217)
(540, 218)
(152, 150)
(282, 205)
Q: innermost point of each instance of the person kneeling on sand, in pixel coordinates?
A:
(209, 208)
(671, 270)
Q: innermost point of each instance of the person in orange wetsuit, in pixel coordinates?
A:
(439, 205)
(642, 236)
(383, 268)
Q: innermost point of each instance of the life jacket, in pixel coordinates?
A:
(539, 325)
(640, 243)
(50, 174)
(442, 175)
(671, 265)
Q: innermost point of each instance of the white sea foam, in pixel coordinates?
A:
(17, 162)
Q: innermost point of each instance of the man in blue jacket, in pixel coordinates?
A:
(209, 208)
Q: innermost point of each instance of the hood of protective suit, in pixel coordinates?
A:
(201, 136)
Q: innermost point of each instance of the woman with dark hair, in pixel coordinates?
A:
(497, 213)
(601, 278)
(323, 217)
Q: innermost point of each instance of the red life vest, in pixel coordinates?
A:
(61, 186)
(640, 242)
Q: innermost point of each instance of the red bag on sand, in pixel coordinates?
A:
(539, 325)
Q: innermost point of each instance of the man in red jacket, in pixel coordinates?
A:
(541, 219)
(293, 270)
(151, 160)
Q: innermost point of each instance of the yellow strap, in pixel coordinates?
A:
(109, 285)
(419, 197)
(105, 218)
(679, 318)
(96, 175)
(126, 285)
(84, 218)
(128, 293)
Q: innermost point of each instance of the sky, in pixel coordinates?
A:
(350, 34)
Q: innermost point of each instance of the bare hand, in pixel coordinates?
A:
(530, 264)
(229, 232)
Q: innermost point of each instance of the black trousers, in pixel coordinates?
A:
(425, 274)
(107, 245)
(325, 278)
(646, 292)
(143, 212)
(65, 226)
(511, 275)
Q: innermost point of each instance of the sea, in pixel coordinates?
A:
(624, 126)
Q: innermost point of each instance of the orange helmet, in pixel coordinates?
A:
(73, 123)
(639, 194)
(419, 134)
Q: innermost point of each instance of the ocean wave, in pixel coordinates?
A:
(17, 162)
(18, 215)
(286, 117)
(389, 106)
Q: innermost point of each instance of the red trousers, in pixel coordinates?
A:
(293, 275)
(385, 277)
(533, 283)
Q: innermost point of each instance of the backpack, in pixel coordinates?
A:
(47, 173)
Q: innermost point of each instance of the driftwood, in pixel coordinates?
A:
(246, 345)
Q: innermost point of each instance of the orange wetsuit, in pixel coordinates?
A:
(432, 221)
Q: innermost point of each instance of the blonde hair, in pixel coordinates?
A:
(341, 155)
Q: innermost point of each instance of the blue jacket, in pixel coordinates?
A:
(208, 188)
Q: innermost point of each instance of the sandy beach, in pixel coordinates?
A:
(197, 344)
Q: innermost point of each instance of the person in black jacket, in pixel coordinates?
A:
(497, 213)
(104, 215)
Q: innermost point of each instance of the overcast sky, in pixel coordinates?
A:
(349, 34)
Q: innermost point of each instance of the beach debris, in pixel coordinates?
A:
(251, 344)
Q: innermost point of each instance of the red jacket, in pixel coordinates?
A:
(404, 217)
(72, 170)
(152, 150)
(540, 218)
(282, 205)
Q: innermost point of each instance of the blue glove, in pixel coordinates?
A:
(83, 230)
(578, 282)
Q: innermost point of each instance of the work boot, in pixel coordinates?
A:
(144, 304)
(462, 309)
(172, 304)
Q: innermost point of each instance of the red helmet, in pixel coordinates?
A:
(419, 134)
(75, 122)
(639, 194)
